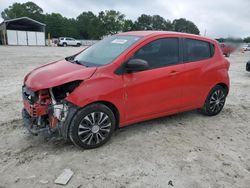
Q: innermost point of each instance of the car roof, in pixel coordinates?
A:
(152, 33)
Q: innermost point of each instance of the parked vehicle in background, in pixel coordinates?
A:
(248, 66)
(67, 41)
(123, 79)
(226, 49)
(246, 47)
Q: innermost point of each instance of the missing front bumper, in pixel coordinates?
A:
(29, 123)
(61, 130)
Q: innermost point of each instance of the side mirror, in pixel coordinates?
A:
(136, 65)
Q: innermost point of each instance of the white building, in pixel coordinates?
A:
(22, 31)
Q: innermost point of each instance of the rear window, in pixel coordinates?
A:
(197, 50)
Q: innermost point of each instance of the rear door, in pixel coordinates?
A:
(157, 90)
(73, 41)
(68, 41)
(197, 62)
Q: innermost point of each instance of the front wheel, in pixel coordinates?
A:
(92, 126)
(215, 101)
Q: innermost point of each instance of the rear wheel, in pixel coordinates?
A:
(215, 101)
(92, 126)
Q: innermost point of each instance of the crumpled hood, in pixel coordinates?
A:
(57, 73)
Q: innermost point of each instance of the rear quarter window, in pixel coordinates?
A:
(197, 50)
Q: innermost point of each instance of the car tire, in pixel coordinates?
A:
(92, 126)
(215, 101)
(78, 45)
(64, 44)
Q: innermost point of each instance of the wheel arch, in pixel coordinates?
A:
(222, 84)
(225, 86)
(112, 107)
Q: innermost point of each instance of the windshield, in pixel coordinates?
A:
(105, 51)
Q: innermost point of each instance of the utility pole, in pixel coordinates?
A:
(4, 37)
(48, 39)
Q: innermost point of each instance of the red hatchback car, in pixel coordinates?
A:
(124, 79)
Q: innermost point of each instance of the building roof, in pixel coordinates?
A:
(23, 20)
(23, 24)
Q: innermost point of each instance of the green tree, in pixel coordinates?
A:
(89, 26)
(159, 23)
(28, 9)
(247, 40)
(70, 28)
(112, 21)
(185, 26)
(144, 22)
(128, 25)
(55, 25)
(155, 22)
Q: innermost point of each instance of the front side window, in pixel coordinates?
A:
(197, 50)
(106, 50)
(160, 53)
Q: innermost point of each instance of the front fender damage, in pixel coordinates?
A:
(44, 114)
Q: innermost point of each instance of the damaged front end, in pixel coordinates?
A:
(46, 111)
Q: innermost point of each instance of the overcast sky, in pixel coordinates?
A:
(220, 18)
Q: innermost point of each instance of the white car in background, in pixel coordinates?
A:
(246, 47)
(68, 41)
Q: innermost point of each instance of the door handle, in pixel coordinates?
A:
(173, 73)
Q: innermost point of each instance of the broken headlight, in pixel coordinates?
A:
(62, 91)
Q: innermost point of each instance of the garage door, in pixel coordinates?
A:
(22, 38)
(31, 38)
(40, 38)
(11, 37)
(25, 38)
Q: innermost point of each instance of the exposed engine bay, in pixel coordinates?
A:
(46, 111)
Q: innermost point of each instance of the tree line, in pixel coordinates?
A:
(91, 26)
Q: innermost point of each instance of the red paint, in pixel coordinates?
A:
(56, 73)
(142, 95)
(39, 108)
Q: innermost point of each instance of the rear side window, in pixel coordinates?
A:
(160, 53)
(197, 50)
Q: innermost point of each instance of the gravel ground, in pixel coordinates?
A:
(183, 150)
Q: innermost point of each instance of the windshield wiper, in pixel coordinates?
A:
(76, 62)
(71, 60)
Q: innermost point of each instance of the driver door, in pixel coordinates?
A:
(158, 89)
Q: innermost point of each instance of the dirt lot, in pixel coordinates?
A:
(188, 149)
